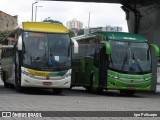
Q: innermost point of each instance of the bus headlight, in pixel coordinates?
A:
(115, 77)
(68, 74)
(26, 73)
(147, 79)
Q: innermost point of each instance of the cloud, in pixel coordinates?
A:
(101, 14)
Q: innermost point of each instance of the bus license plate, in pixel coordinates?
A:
(47, 83)
(131, 87)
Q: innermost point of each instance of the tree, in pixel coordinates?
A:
(52, 21)
(3, 34)
(80, 32)
(71, 33)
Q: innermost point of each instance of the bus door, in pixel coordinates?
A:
(103, 67)
(7, 62)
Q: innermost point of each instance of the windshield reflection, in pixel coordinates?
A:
(132, 57)
(46, 51)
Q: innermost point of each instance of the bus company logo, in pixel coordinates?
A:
(6, 114)
(47, 77)
(21, 114)
(39, 73)
(131, 76)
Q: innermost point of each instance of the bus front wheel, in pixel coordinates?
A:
(57, 91)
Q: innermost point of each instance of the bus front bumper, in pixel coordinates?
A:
(41, 82)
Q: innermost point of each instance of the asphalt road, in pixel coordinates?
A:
(76, 100)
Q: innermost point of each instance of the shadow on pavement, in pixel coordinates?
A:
(77, 91)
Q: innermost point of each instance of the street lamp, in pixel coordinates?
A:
(89, 20)
(36, 12)
(32, 10)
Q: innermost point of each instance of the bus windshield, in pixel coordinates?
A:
(130, 57)
(46, 51)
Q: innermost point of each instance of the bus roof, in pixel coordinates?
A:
(123, 36)
(44, 27)
(85, 36)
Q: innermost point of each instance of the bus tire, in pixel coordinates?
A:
(70, 88)
(99, 90)
(90, 88)
(18, 88)
(17, 84)
(6, 85)
(57, 91)
(87, 89)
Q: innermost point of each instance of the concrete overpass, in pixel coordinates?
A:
(143, 17)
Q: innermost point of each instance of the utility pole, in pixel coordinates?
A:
(36, 12)
(89, 21)
(32, 10)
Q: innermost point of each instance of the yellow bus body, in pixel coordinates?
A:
(44, 27)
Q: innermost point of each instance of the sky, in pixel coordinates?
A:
(101, 14)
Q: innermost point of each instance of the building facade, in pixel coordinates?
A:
(7, 22)
(74, 24)
(112, 28)
(107, 28)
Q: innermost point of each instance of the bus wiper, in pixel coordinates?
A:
(148, 54)
(137, 63)
(124, 61)
(50, 54)
(111, 60)
(50, 59)
(68, 51)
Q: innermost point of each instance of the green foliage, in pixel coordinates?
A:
(80, 32)
(52, 21)
(3, 34)
(71, 33)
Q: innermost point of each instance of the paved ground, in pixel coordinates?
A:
(77, 100)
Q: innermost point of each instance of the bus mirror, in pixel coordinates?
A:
(107, 45)
(156, 49)
(75, 45)
(20, 43)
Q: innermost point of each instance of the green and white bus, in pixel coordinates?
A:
(37, 54)
(113, 60)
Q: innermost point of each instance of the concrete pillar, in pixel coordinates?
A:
(149, 23)
(149, 27)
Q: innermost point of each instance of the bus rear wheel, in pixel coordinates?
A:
(6, 85)
(17, 86)
(57, 91)
(97, 90)
(90, 87)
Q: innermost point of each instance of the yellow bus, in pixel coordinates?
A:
(37, 54)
